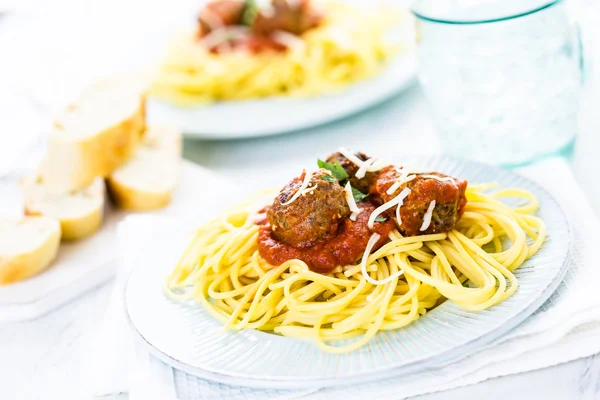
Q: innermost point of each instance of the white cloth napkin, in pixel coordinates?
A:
(564, 329)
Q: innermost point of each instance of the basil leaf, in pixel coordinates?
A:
(250, 13)
(380, 218)
(328, 178)
(335, 168)
(358, 195)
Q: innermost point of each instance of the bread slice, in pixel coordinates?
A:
(79, 212)
(147, 181)
(27, 247)
(96, 134)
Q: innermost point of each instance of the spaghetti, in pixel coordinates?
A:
(472, 265)
(347, 47)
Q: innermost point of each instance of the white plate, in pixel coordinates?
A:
(85, 264)
(187, 337)
(246, 119)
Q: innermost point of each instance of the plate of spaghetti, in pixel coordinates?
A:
(355, 270)
(253, 67)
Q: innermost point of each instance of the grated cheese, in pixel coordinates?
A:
(405, 177)
(288, 40)
(363, 263)
(213, 20)
(350, 156)
(266, 7)
(398, 217)
(295, 4)
(362, 171)
(441, 178)
(351, 202)
(372, 164)
(428, 216)
(222, 35)
(302, 189)
(378, 165)
(396, 200)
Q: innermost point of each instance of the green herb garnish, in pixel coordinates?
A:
(380, 218)
(250, 13)
(335, 168)
(328, 178)
(358, 195)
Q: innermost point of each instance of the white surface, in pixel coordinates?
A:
(20, 129)
(246, 119)
(111, 368)
(564, 329)
(85, 264)
(188, 337)
(46, 355)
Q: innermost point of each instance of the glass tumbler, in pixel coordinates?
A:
(503, 77)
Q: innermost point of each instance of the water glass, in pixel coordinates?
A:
(503, 77)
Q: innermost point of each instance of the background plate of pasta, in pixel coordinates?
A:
(357, 269)
(258, 67)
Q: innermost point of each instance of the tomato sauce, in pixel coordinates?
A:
(344, 248)
(253, 44)
(449, 197)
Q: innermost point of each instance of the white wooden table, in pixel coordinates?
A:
(45, 358)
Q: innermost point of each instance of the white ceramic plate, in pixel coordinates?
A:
(187, 337)
(246, 119)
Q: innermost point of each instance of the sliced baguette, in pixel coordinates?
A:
(147, 181)
(96, 134)
(27, 247)
(79, 212)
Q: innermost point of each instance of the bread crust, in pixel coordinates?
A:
(160, 145)
(18, 267)
(73, 163)
(73, 227)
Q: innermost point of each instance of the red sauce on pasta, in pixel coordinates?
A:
(253, 44)
(343, 248)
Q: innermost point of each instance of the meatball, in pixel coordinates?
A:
(449, 196)
(220, 13)
(351, 169)
(295, 17)
(314, 215)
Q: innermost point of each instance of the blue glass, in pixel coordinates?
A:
(503, 77)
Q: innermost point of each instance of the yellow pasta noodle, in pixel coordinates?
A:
(471, 266)
(349, 46)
